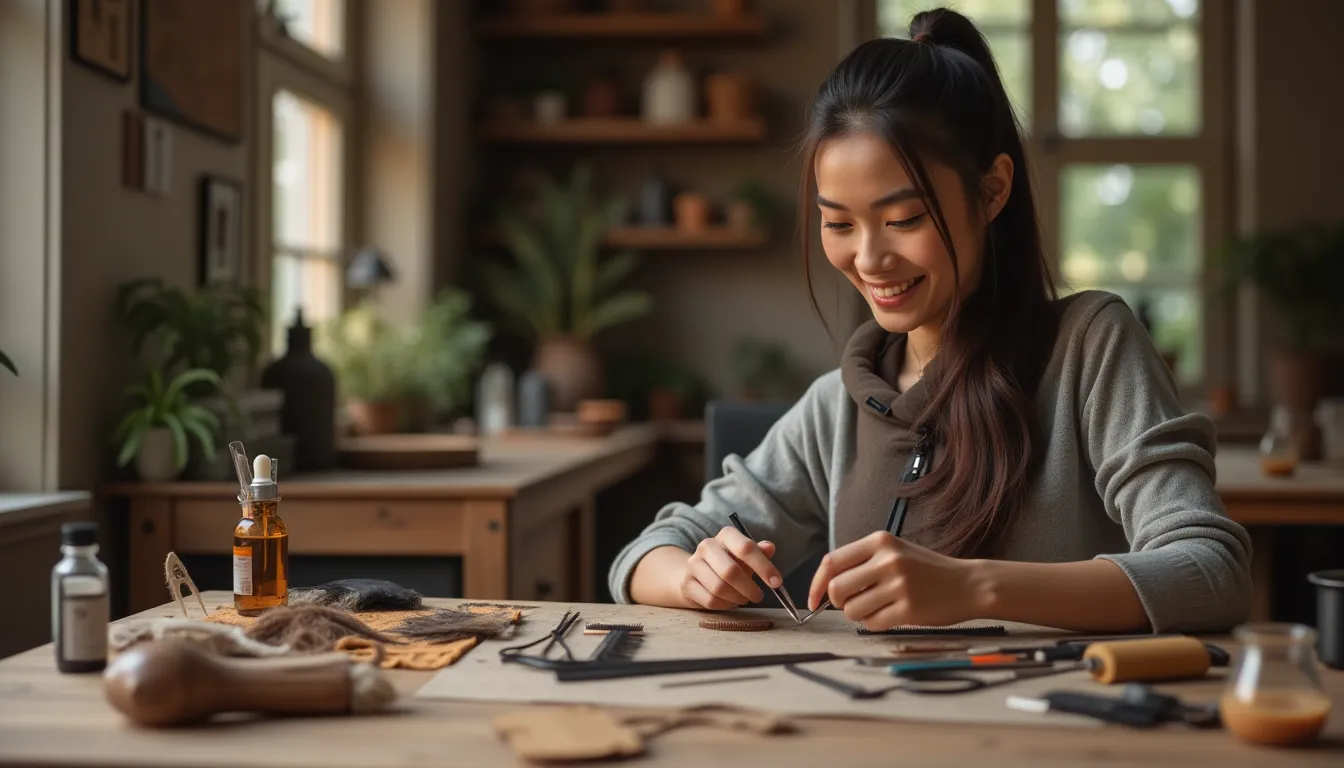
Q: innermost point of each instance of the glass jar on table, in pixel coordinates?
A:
(1274, 695)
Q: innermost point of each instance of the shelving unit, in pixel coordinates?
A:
(667, 239)
(613, 26)
(625, 130)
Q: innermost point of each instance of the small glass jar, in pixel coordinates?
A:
(1274, 695)
(1278, 451)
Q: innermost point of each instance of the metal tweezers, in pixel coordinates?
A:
(779, 591)
(552, 638)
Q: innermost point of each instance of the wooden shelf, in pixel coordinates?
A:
(621, 26)
(665, 239)
(626, 130)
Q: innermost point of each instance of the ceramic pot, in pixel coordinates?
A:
(668, 96)
(549, 107)
(692, 211)
(1298, 381)
(374, 418)
(154, 461)
(572, 369)
(653, 202)
(731, 7)
(728, 97)
(741, 216)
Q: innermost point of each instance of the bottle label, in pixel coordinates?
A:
(242, 570)
(84, 617)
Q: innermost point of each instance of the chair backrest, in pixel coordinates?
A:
(736, 428)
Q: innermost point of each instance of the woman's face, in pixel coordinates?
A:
(878, 230)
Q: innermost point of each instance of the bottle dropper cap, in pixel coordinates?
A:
(263, 483)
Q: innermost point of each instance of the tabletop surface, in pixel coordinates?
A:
(1239, 475)
(48, 718)
(507, 466)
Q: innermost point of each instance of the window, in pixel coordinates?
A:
(1124, 154)
(303, 200)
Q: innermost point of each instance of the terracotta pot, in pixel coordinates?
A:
(374, 418)
(664, 405)
(602, 98)
(741, 216)
(573, 370)
(692, 211)
(538, 7)
(1298, 382)
(154, 460)
(728, 97)
(731, 7)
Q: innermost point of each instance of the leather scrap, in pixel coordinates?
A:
(567, 734)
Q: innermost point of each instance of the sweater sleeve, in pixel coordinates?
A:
(1154, 465)
(780, 491)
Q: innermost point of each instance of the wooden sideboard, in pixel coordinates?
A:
(521, 521)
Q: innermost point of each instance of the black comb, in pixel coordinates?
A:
(619, 644)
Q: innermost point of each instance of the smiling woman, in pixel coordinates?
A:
(1059, 482)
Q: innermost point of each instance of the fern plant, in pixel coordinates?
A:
(166, 404)
(218, 328)
(560, 285)
(5, 362)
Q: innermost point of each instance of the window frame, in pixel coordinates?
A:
(1209, 150)
(284, 64)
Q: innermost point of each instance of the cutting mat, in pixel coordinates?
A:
(481, 676)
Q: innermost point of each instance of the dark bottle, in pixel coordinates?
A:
(79, 601)
(309, 412)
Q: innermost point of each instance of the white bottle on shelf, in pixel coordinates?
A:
(669, 91)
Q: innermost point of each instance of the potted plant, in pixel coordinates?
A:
(156, 432)
(750, 207)
(1301, 272)
(560, 292)
(444, 351)
(764, 371)
(368, 357)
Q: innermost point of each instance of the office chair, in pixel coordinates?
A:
(739, 428)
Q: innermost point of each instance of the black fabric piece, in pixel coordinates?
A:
(358, 595)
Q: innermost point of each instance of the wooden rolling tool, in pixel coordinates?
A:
(1150, 660)
(167, 683)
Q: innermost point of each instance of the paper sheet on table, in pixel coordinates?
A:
(481, 676)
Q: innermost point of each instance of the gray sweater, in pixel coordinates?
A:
(1126, 475)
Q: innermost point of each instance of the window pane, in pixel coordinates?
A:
(307, 183)
(318, 24)
(1135, 230)
(1005, 24)
(1144, 83)
(1109, 13)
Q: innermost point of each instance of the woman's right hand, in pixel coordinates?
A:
(717, 576)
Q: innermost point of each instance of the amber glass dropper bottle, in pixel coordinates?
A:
(261, 545)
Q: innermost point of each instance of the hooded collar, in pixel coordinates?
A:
(869, 369)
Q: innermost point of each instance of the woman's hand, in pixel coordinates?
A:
(884, 582)
(718, 575)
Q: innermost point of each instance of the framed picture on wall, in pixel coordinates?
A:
(100, 36)
(191, 63)
(221, 230)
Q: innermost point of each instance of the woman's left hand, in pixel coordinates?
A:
(883, 582)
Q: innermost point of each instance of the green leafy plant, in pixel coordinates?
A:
(764, 370)
(756, 194)
(160, 404)
(1301, 271)
(431, 362)
(218, 328)
(5, 362)
(560, 285)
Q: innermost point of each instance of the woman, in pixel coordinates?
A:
(1065, 485)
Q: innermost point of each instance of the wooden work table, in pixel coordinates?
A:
(522, 521)
(63, 720)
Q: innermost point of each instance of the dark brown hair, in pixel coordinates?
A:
(938, 97)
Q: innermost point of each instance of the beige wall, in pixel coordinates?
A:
(110, 234)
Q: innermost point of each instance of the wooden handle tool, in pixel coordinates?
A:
(168, 683)
(1135, 661)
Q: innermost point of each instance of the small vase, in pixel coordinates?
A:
(728, 97)
(374, 418)
(602, 98)
(572, 369)
(669, 92)
(653, 203)
(741, 217)
(692, 212)
(154, 461)
(549, 107)
(1298, 382)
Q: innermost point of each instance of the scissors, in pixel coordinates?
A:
(933, 682)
